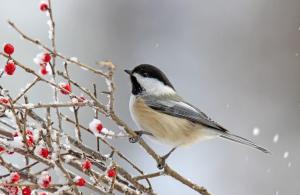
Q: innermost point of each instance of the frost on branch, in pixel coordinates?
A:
(35, 132)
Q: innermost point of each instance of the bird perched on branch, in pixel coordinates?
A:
(160, 112)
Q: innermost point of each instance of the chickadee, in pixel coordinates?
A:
(160, 112)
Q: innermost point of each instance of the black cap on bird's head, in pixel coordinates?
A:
(146, 76)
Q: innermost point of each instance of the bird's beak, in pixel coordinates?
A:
(128, 71)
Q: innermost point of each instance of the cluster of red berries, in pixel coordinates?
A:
(43, 59)
(10, 66)
(29, 138)
(28, 135)
(46, 58)
(14, 190)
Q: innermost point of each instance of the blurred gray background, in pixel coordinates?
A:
(237, 60)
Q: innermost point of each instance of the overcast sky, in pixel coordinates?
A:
(237, 60)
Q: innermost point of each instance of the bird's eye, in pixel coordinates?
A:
(145, 74)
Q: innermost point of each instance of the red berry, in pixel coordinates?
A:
(81, 99)
(44, 152)
(80, 181)
(44, 71)
(42, 193)
(16, 134)
(10, 151)
(112, 172)
(99, 127)
(66, 88)
(44, 6)
(30, 141)
(86, 165)
(29, 138)
(4, 101)
(12, 190)
(46, 181)
(28, 132)
(26, 191)
(46, 57)
(2, 149)
(8, 48)
(14, 177)
(10, 67)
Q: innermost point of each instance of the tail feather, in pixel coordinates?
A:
(241, 140)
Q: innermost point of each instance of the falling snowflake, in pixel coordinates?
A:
(289, 164)
(275, 138)
(255, 131)
(285, 154)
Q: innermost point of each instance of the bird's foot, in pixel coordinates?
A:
(134, 139)
(162, 161)
(138, 136)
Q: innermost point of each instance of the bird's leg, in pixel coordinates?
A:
(163, 159)
(138, 137)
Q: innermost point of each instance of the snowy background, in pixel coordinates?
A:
(237, 60)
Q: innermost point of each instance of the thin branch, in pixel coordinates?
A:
(68, 59)
(151, 175)
(26, 89)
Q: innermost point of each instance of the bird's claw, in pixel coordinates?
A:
(162, 160)
(161, 165)
(134, 139)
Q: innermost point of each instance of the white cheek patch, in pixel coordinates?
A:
(153, 86)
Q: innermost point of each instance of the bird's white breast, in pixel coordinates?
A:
(168, 129)
(131, 109)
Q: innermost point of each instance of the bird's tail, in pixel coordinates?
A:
(241, 140)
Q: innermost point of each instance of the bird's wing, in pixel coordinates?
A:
(175, 106)
(178, 108)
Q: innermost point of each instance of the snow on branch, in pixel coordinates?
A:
(47, 148)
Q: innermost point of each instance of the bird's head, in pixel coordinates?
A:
(148, 79)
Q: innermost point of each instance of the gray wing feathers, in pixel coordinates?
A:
(178, 108)
(175, 106)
